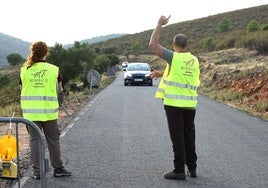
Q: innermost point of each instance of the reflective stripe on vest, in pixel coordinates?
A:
(175, 84)
(181, 97)
(44, 98)
(40, 111)
(161, 90)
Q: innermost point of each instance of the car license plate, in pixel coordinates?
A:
(138, 80)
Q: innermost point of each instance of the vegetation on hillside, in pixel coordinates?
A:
(200, 29)
(15, 59)
(9, 45)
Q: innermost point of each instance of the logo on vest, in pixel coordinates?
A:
(39, 78)
(188, 68)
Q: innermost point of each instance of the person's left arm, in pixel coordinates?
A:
(156, 74)
(60, 88)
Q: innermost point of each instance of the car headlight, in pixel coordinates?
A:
(147, 75)
(128, 75)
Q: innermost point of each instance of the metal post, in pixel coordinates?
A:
(90, 80)
(18, 156)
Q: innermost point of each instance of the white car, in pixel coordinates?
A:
(138, 73)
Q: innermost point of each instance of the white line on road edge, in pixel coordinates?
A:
(64, 131)
(62, 134)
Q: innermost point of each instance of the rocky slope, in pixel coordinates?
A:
(238, 77)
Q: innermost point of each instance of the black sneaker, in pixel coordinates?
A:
(175, 176)
(60, 172)
(191, 173)
(36, 175)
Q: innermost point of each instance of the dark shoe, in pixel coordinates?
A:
(191, 173)
(60, 172)
(175, 176)
(36, 175)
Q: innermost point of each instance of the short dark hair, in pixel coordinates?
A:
(180, 40)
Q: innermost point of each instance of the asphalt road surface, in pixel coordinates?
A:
(120, 140)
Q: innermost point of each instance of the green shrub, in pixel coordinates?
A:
(262, 106)
(4, 81)
(208, 44)
(264, 27)
(224, 25)
(253, 26)
(256, 41)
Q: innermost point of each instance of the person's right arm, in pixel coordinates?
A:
(159, 50)
(154, 40)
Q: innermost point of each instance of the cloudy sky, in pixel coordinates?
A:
(66, 21)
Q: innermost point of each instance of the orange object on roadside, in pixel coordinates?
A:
(8, 147)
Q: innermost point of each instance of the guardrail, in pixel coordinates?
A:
(43, 161)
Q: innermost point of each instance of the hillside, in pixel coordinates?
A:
(238, 77)
(196, 30)
(97, 39)
(9, 44)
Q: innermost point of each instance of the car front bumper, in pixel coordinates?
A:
(138, 81)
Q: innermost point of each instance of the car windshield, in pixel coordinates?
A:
(136, 67)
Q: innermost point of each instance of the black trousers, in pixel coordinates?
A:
(182, 133)
(52, 135)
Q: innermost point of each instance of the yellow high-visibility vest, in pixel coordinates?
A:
(181, 84)
(39, 101)
(161, 89)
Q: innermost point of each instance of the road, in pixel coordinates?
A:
(120, 140)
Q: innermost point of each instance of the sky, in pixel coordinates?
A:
(67, 21)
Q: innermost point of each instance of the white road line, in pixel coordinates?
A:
(64, 131)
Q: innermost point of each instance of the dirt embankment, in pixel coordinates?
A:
(238, 77)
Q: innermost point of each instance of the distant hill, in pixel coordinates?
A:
(9, 44)
(97, 39)
(101, 38)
